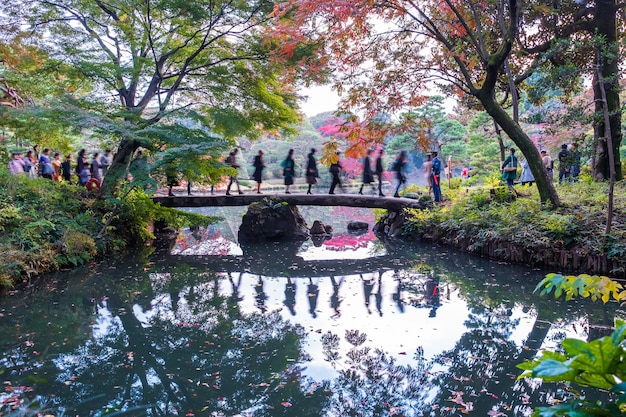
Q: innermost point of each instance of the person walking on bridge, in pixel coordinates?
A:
(311, 170)
(335, 170)
(289, 170)
(259, 164)
(398, 167)
(231, 160)
(368, 176)
(379, 170)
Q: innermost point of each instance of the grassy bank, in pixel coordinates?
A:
(488, 221)
(46, 226)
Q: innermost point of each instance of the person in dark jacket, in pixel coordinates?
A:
(335, 170)
(379, 170)
(368, 176)
(509, 168)
(398, 167)
(259, 165)
(311, 170)
(289, 170)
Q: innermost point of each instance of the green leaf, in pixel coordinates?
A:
(553, 370)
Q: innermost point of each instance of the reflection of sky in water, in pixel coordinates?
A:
(310, 252)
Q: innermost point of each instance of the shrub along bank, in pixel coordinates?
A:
(47, 225)
(492, 222)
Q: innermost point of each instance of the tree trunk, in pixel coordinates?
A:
(117, 171)
(609, 142)
(605, 25)
(547, 192)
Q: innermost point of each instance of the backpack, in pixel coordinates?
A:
(436, 166)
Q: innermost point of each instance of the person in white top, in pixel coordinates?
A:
(427, 168)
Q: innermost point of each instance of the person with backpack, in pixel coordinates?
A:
(45, 164)
(398, 168)
(565, 163)
(231, 160)
(335, 170)
(435, 176)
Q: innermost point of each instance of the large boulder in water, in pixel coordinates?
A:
(272, 219)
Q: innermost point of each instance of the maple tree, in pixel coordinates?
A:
(386, 53)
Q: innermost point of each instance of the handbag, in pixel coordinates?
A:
(509, 168)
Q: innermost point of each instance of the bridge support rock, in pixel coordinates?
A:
(391, 224)
(272, 219)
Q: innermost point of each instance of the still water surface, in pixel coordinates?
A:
(352, 326)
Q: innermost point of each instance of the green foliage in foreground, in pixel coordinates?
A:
(596, 364)
(599, 364)
(46, 225)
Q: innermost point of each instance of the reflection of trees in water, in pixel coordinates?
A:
(480, 371)
(371, 383)
(176, 364)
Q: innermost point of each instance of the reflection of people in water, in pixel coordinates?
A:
(290, 296)
(368, 287)
(431, 294)
(335, 301)
(378, 295)
(260, 295)
(235, 297)
(312, 292)
(397, 296)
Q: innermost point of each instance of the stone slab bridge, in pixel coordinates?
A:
(347, 200)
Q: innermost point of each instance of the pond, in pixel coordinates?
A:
(352, 325)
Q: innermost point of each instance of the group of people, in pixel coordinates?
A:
(569, 166)
(288, 166)
(372, 173)
(50, 166)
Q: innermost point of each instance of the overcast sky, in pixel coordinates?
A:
(320, 99)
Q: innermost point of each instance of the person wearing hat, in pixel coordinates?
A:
(16, 165)
(258, 164)
(564, 163)
(548, 164)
